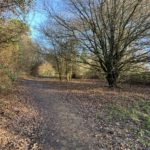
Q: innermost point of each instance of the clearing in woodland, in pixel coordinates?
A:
(80, 115)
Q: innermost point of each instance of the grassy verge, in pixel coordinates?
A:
(139, 114)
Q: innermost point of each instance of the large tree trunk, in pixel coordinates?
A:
(111, 78)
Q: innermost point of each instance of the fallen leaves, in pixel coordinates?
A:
(18, 122)
(69, 115)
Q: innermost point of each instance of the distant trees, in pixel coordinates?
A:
(63, 51)
(113, 32)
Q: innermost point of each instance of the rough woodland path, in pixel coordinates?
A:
(64, 127)
(86, 115)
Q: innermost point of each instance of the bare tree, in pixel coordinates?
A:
(110, 30)
(56, 48)
(62, 48)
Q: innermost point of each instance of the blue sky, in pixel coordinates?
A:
(37, 16)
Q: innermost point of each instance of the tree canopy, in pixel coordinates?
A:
(113, 31)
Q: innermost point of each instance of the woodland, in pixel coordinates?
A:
(74, 74)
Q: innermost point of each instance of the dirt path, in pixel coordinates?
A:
(64, 127)
(45, 114)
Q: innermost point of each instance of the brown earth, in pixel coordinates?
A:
(52, 115)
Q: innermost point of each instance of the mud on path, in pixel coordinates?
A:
(63, 126)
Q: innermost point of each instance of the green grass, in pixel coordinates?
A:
(139, 113)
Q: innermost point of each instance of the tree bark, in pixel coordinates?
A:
(111, 78)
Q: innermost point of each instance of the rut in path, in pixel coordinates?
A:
(65, 127)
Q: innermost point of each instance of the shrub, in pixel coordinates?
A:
(5, 81)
